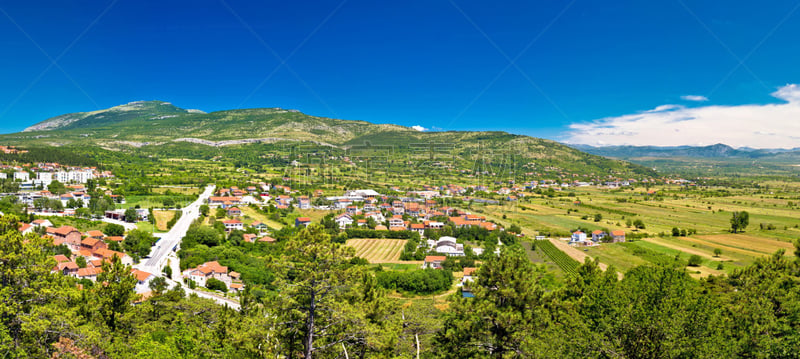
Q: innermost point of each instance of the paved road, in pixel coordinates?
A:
(217, 298)
(173, 238)
(162, 253)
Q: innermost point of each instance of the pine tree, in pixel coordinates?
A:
(504, 316)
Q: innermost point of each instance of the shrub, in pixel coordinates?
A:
(695, 260)
(216, 284)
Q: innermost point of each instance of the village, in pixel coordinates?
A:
(419, 215)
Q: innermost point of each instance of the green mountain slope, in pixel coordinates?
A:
(156, 128)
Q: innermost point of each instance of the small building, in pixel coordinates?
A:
(261, 227)
(418, 227)
(66, 234)
(302, 221)
(598, 235)
(618, 236)
(434, 262)
(142, 280)
(448, 245)
(208, 270)
(93, 244)
(95, 234)
(42, 223)
(344, 220)
(234, 212)
(578, 236)
(468, 274)
(233, 225)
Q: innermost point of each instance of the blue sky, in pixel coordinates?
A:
(579, 67)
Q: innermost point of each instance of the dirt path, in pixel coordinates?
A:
(665, 243)
(724, 247)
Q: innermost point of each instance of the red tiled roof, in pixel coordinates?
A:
(430, 259)
(24, 227)
(62, 231)
(89, 271)
(89, 241)
(469, 270)
(140, 275)
(95, 233)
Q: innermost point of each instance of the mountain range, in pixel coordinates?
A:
(157, 127)
(717, 151)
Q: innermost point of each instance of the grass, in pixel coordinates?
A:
(147, 227)
(411, 265)
(162, 217)
(676, 207)
(256, 216)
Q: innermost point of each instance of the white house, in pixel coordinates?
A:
(142, 280)
(434, 262)
(344, 220)
(578, 236)
(232, 225)
(22, 176)
(598, 235)
(447, 245)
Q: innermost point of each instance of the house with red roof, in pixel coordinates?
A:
(95, 234)
(302, 221)
(25, 228)
(434, 262)
(65, 234)
(208, 270)
(233, 225)
(142, 280)
(93, 244)
(42, 223)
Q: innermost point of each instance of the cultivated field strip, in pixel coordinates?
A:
(561, 259)
(378, 250)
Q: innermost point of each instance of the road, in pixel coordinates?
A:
(162, 253)
(215, 297)
(171, 239)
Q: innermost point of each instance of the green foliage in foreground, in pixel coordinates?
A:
(422, 281)
(323, 306)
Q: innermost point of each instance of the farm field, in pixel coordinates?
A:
(378, 250)
(774, 223)
(251, 215)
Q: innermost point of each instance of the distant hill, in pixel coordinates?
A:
(121, 113)
(151, 125)
(718, 151)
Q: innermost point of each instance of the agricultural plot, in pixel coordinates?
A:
(564, 261)
(378, 250)
(774, 223)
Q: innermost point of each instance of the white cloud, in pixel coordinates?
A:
(696, 98)
(758, 126)
(419, 128)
